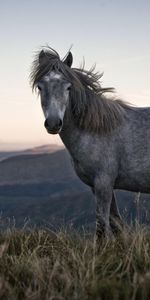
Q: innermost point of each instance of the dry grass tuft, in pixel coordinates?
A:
(40, 264)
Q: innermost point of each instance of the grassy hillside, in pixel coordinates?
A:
(43, 265)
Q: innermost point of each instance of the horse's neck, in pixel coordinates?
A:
(69, 133)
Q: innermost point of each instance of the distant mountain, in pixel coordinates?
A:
(40, 184)
(34, 168)
(43, 149)
(5, 155)
(36, 150)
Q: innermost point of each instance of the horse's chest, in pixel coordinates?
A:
(84, 171)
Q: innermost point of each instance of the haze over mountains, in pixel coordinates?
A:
(40, 184)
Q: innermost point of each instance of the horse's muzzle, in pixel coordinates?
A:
(53, 127)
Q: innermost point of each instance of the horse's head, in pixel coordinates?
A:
(54, 93)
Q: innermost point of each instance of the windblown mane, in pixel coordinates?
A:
(90, 108)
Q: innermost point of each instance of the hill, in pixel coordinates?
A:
(41, 185)
(29, 168)
(44, 188)
(36, 150)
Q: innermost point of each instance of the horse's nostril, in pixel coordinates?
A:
(46, 123)
(60, 123)
(53, 125)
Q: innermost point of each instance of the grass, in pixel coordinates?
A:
(40, 264)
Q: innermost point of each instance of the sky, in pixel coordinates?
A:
(114, 34)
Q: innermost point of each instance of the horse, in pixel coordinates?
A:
(108, 139)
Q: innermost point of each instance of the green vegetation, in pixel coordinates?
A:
(40, 264)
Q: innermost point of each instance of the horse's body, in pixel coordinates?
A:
(123, 156)
(110, 152)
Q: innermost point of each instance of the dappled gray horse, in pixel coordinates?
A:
(108, 140)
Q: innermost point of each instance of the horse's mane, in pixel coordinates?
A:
(89, 106)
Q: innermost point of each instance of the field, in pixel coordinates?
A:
(45, 265)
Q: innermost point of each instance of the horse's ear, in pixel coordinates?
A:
(69, 59)
(42, 57)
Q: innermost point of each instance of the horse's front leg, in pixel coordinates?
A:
(116, 221)
(103, 192)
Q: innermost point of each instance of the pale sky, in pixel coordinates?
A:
(113, 33)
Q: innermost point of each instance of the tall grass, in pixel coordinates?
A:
(40, 264)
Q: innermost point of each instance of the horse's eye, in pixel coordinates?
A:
(69, 88)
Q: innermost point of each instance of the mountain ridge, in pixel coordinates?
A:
(35, 150)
